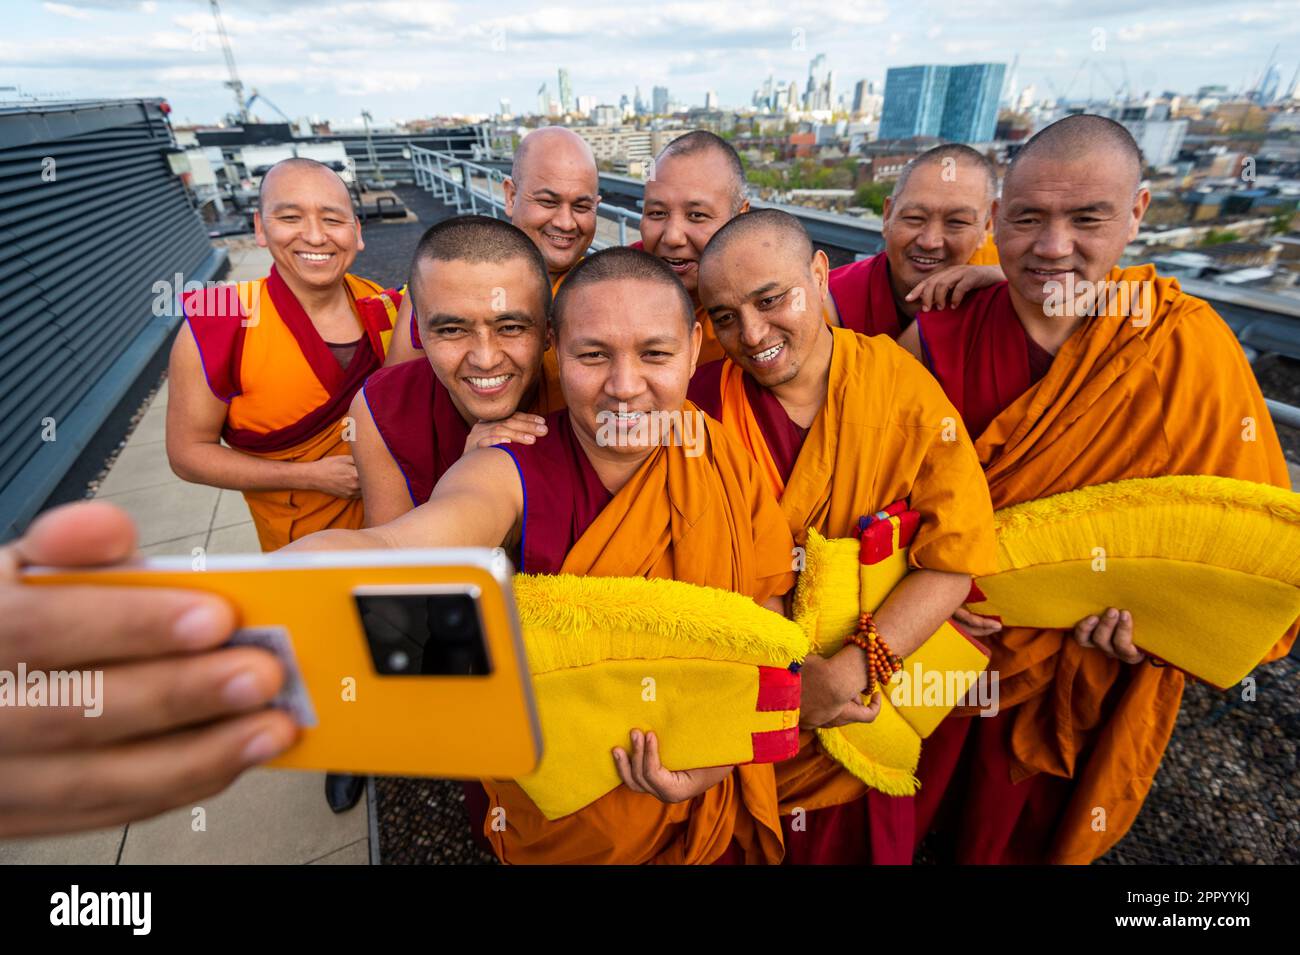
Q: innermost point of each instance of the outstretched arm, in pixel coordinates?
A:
(476, 504)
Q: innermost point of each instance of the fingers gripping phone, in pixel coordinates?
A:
(403, 662)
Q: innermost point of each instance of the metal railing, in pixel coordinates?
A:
(474, 189)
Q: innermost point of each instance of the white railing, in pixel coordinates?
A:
(475, 189)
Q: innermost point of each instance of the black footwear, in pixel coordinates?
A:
(343, 792)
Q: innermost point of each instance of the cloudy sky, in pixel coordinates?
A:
(402, 60)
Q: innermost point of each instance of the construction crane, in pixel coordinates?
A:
(256, 96)
(241, 108)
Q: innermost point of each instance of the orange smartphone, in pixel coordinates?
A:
(401, 662)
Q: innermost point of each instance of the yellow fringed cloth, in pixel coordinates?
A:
(1209, 567)
(841, 578)
(706, 669)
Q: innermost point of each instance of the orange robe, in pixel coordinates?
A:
(288, 394)
(705, 520)
(1079, 731)
(886, 433)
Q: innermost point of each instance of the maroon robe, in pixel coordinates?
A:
(420, 425)
(981, 355)
(985, 360)
(864, 297)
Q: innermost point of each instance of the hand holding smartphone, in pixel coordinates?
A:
(397, 662)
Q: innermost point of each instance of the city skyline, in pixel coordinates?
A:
(404, 61)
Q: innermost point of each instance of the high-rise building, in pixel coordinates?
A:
(660, 100)
(586, 104)
(543, 100)
(914, 101)
(859, 97)
(566, 92)
(710, 100)
(505, 107)
(604, 115)
(970, 109)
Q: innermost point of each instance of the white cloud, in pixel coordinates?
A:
(64, 10)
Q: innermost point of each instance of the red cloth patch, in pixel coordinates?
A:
(775, 745)
(778, 689)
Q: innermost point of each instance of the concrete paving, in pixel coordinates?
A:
(268, 816)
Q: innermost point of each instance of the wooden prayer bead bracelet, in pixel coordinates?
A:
(882, 663)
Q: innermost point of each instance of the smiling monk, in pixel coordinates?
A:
(1072, 373)
(592, 499)
(552, 195)
(938, 244)
(842, 425)
(697, 187)
(270, 366)
(482, 292)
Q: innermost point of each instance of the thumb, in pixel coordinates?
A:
(82, 534)
(854, 712)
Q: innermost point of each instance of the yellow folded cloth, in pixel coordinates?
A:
(706, 669)
(1209, 567)
(839, 580)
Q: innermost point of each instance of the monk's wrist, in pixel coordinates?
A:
(850, 671)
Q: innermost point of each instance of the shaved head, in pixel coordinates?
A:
(621, 263)
(765, 289)
(703, 142)
(951, 155)
(480, 239)
(783, 232)
(551, 141)
(1071, 201)
(552, 194)
(300, 164)
(1078, 137)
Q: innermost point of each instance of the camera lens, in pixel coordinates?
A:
(398, 661)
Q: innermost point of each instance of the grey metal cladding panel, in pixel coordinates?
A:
(84, 307)
(78, 264)
(101, 225)
(26, 126)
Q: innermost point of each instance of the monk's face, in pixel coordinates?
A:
(1064, 220)
(624, 349)
(306, 222)
(483, 327)
(687, 200)
(766, 306)
(937, 221)
(555, 202)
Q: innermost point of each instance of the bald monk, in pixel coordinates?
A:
(270, 366)
(483, 293)
(1066, 390)
(938, 246)
(552, 195)
(627, 341)
(697, 186)
(842, 426)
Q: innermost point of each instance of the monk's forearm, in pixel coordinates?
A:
(916, 608)
(339, 539)
(218, 466)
